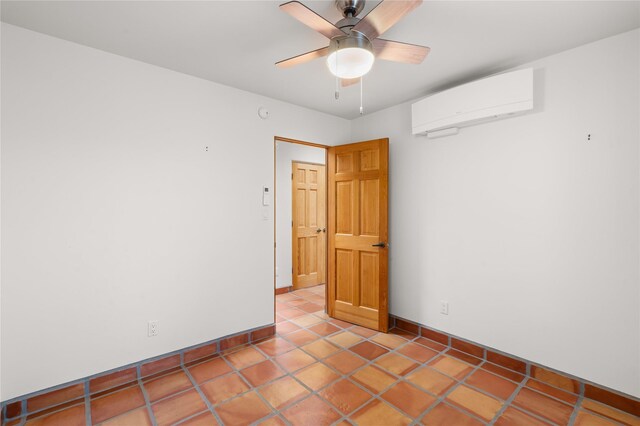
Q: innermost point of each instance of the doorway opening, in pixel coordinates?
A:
(337, 234)
(301, 223)
(308, 224)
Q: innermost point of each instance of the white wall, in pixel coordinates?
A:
(286, 153)
(113, 214)
(530, 231)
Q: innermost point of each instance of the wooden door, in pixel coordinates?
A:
(309, 224)
(358, 256)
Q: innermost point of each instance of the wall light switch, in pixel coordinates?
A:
(444, 307)
(266, 196)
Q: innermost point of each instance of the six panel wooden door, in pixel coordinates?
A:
(358, 257)
(309, 224)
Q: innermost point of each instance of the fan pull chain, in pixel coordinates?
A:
(361, 108)
(337, 93)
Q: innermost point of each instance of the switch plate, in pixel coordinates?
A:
(266, 196)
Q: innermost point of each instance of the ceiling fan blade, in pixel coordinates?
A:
(399, 52)
(305, 57)
(311, 19)
(349, 81)
(384, 16)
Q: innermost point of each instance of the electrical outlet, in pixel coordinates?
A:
(444, 307)
(153, 328)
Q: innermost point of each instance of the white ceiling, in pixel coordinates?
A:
(237, 42)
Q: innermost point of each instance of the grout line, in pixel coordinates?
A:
(51, 410)
(605, 418)
(254, 389)
(552, 396)
(577, 395)
(186, 419)
(147, 402)
(87, 403)
(576, 409)
(442, 398)
(508, 402)
(22, 418)
(196, 386)
(532, 414)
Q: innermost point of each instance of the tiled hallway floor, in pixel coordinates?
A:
(319, 371)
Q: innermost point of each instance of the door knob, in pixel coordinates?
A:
(381, 244)
(324, 229)
(318, 230)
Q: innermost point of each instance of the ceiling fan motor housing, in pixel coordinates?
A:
(353, 39)
(345, 24)
(350, 8)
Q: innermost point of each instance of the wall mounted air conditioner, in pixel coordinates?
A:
(472, 103)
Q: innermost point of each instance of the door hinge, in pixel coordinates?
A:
(292, 224)
(291, 176)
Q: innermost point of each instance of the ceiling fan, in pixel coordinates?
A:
(354, 42)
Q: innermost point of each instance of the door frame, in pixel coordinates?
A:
(277, 139)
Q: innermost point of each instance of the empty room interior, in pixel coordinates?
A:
(349, 212)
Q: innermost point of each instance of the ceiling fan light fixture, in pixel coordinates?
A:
(350, 56)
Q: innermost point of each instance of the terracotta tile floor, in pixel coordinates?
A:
(318, 371)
